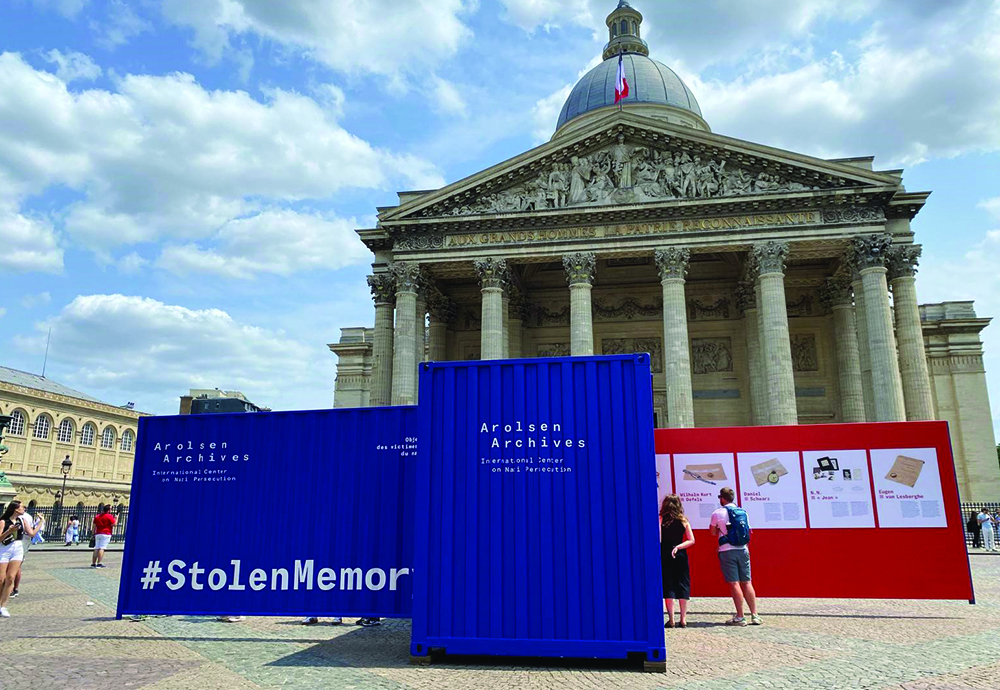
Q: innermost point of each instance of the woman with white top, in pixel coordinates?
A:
(13, 528)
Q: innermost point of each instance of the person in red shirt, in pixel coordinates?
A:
(103, 525)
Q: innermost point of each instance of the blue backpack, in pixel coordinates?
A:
(738, 529)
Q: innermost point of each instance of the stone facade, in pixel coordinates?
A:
(763, 281)
(99, 439)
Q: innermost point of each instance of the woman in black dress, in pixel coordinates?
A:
(675, 537)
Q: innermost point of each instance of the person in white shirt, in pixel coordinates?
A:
(986, 522)
(735, 562)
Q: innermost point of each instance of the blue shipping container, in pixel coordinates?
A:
(537, 531)
(281, 513)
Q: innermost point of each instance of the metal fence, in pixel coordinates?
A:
(57, 517)
(972, 510)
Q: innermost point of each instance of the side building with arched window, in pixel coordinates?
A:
(50, 421)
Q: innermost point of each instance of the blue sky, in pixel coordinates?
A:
(180, 179)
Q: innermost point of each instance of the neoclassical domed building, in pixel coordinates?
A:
(769, 286)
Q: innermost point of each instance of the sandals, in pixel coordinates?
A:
(668, 624)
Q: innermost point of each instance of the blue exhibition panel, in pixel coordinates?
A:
(280, 513)
(536, 516)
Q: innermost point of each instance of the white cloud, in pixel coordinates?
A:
(992, 206)
(447, 98)
(162, 157)
(121, 25)
(131, 263)
(3, 312)
(73, 66)
(133, 348)
(27, 244)
(932, 92)
(392, 37)
(67, 8)
(32, 301)
(530, 14)
(279, 242)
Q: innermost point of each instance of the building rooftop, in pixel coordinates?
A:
(22, 378)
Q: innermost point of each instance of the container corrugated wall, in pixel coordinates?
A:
(537, 531)
(334, 487)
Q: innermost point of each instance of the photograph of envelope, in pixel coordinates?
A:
(712, 472)
(768, 472)
(905, 471)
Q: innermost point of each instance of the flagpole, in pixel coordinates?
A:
(621, 53)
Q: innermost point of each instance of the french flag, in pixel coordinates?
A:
(621, 86)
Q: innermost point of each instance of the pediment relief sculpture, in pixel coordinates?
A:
(626, 174)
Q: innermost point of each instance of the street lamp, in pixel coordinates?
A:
(67, 465)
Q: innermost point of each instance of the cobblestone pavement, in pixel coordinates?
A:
(63, 634)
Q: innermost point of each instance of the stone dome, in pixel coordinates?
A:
(649, 82)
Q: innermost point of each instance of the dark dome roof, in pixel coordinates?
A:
(649, 81)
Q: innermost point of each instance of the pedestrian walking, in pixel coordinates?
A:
(975, 530)
(676, 537)
(72, 534)
(103, 526)
(729, 523)
(14, 527)
(986, 524)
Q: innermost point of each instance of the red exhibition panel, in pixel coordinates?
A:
(799, 484)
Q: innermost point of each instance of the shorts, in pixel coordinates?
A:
(101, 541)
(13, 552)
(735, 565)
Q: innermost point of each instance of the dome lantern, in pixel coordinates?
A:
(625, 31)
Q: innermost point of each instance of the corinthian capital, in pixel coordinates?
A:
(672, 262)
(870, 251)
(492, 272)
(407, 276)
(903, 261)
(769, 257)
(440, 308)
(836, 292)
(383, 287)
(580, 268)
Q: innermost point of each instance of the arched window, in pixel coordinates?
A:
(88, 434)
(108, 438)
(635, 29)
(16, 427)
(624, 27)
(128, 441)
(79, 509)
(614, 31)
(42, 427)
(65, 431)
(32, 505)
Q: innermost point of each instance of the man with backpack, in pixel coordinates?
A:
(729, 523)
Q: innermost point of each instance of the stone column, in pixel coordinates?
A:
(384, 293)
(515, 325)
(836, 294)
(769, 259)
(580, 270)
(440, 310)
(506, 324)
(404, 362)
(912, 356)
(746, 300)
(673, 265)
(870, 256)
(864, 345)
(421, 323)
(492, 279)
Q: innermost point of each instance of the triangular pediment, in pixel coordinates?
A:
(627, 159)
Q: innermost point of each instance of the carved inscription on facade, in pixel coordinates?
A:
(628, 346)
(711, 355)
(633, 229)
(805, 357)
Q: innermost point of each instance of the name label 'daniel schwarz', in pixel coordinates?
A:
(759, 220)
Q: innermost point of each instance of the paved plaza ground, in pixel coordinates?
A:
(63, 635)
